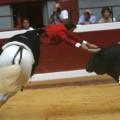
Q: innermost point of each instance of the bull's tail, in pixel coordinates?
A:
(94, 50)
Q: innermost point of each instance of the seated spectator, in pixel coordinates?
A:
(26, 24)
(107, 16)
(87, 18)
(58, 15)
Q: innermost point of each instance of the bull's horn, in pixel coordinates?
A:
(94, 50)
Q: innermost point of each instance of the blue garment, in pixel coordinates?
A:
(118, 18)
(92, 19)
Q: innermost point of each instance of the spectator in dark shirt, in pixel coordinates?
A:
(58, 15)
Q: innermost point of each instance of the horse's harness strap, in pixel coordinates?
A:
(24, 37)
(19, 50)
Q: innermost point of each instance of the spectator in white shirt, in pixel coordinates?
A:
(58, 15)
(26, 24)
(107, 16)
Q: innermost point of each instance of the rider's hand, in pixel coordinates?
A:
(84, 47)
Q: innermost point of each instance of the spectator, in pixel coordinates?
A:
(26, 24)
(58, 15)
(118, 18)
(87, 18)
(107, 16)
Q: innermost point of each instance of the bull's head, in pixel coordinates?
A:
(96, 63)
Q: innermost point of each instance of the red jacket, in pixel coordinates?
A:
(56, 33)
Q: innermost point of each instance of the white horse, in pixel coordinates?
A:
(16, 62)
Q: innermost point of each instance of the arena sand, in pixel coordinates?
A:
(65, 102)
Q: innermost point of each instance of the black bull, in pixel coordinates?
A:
(106, 61)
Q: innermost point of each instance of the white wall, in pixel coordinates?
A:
(99, 3)
(5, 22)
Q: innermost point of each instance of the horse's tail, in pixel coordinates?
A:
(8, 81)
(9, 77)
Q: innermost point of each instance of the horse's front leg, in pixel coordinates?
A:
(119, 80)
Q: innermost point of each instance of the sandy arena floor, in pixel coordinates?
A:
(88, 98)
